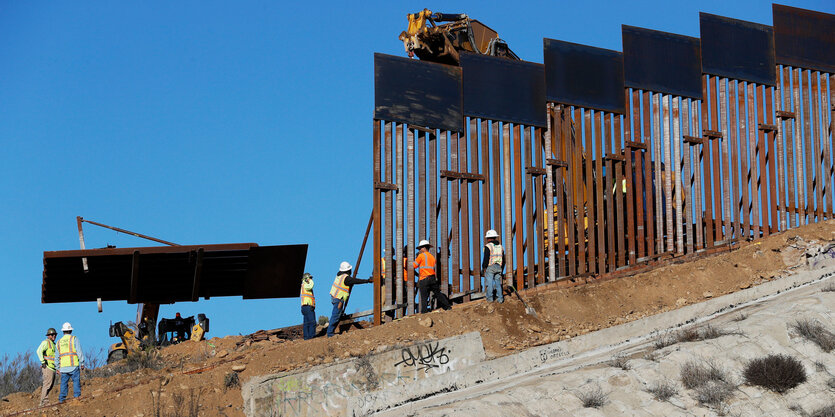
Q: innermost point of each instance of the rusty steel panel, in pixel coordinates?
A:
(584, 76)
(418, 92)
(168, 274)
(661, 62)
(804, 38)
(737, 49)
(501, 89)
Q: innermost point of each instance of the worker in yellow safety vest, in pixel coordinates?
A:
(70, 362)
(427, 280)
(493, 263)
(46, 356)
(340, 290)
(308, 307)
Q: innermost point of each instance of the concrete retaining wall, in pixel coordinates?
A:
(336, 389)
(559, 353)
(388, 380)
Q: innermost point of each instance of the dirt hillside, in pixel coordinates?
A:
(193, 369)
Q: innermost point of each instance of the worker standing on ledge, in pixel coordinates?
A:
(341, 289)
(70, 362)
(46, 356)
(493, 263)
(308, 307)
(427, 281)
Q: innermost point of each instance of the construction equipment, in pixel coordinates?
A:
(434, 41)
(528, 309)
(136, 338)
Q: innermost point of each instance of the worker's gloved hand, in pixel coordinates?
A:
(369, 280)
(43, 365)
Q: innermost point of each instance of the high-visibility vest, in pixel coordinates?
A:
(339, 289)
(68, 356)
(49, 354)
(496, 252)
(425, 264)
(307, 296)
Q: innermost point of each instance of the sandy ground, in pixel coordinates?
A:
(200, 368)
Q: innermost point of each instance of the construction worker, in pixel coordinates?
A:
(493, 264)
(340, 290)
(308, 307)
(70, 362)
(427, 281)
(46, 356)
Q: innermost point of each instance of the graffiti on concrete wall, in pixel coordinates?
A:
(424, 357)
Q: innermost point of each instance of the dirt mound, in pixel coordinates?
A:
(202, 369)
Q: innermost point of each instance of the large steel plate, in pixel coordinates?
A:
(502, 89)
(737, 49)
(584, 76)
(804, 38)
(417, 92)
(662, 62)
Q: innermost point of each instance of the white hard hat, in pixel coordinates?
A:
(423, 243)
(344, 267)
(491, 233)
(67, 327)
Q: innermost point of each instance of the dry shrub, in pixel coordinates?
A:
(709, 332)
(814, 332)
(688, 335)
(593, 398)
(231, 380)
(714, 392)
(696, 373)
(664, 340)
(827, 411)
(778, 373)
(620, 361)
(663, 390)
(182, 404)
(19, 374)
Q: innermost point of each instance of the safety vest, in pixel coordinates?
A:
(307, 296)
(496, 252)
(49, 354)
(68, 356)
(339, 289)
(425, 264)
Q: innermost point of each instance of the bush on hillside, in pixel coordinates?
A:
(17, 374)
(778, 373)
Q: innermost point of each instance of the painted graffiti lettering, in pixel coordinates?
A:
(424, 357)
(549, 353)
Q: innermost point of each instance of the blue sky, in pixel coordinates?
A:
(218, 122)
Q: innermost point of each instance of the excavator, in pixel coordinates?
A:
(441, 37)
(139, 337)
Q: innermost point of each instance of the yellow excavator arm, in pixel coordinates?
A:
(440, 37)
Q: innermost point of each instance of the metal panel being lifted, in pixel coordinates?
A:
(502, 89)
(167, 274)
(418, 92)
(584, 76)
(804, 38)
(737, 49)
(662, 62)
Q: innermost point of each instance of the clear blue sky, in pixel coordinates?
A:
(216, 122)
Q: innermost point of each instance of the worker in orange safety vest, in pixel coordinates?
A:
(427, 280)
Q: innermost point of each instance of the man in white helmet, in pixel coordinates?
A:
(340, 290)
(70, 362)
(493, 263)
(427, 280)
